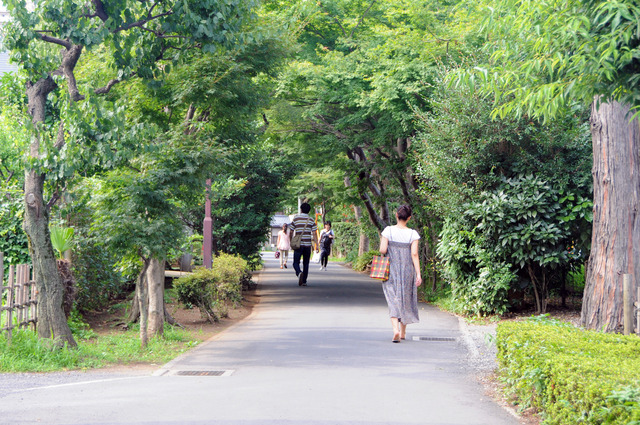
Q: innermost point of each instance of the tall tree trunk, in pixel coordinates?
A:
(363, 243)
(155, 282)
(52, 322)
(615, 244)
(142, 293)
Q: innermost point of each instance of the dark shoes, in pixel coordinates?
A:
(300, 282)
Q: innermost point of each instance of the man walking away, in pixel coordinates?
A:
(305, 224)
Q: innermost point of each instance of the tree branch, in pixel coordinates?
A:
(316, 31)
(48, 39)
(69, 62)
(337, 21)
(353, 31)
(100, 12)
(106, 89)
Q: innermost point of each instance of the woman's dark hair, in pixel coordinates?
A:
(404, 212)
(327, 222)
(285, 226)
(305, 208)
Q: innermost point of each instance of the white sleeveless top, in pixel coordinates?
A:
(396, 234)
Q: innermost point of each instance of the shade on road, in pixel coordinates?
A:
(314, 355)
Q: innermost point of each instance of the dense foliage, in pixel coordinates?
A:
(13, 240)
(524, 230)
(571, 375)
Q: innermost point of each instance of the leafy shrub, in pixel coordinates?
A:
(347, 239)
(571, 375)
(97, 280)
(363, 261)
(525, 228)
(212, 290)
(13, 241)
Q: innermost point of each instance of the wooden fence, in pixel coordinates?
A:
(17, 298)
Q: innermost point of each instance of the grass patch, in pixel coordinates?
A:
(27, 353)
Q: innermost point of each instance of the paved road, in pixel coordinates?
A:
(317, 355)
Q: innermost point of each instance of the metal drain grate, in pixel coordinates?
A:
(434, 338)
(203, 373)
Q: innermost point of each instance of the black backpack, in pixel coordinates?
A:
(325, 242)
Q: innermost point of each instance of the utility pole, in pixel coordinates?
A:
(207, 243)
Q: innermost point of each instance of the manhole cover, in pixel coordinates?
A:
(434, 338)
(204, 372)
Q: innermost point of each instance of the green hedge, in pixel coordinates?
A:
(571, 376)
(212, 290)
(362, 262)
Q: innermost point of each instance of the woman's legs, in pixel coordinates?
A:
(324, 258)
(403, 330)
(396, 329)
(284, 256)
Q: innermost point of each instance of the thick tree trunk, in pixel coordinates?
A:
(52, 322)
(615, 244)
(155, 282)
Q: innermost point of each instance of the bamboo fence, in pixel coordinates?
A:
(17, 298)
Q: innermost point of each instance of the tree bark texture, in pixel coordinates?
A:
(363, 243)
(155, 282)
(142, 293)
(615, 243)
(52, 322)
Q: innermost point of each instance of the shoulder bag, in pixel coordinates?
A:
(380, 267)
(296, 240)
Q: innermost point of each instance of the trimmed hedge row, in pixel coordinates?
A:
(571, 376)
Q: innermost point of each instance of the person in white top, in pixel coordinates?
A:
(400, 243)
(284, 245)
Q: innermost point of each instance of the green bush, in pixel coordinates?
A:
(212, 290)
(571, 376)
(526, 230)
(13, 241)
(98, 281)
(363, 261)
(347, 239)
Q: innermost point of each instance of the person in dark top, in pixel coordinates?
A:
(326, 240)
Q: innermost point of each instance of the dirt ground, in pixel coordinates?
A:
(107, 322)
(200, 329)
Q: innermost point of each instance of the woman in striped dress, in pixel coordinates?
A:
(400, 243)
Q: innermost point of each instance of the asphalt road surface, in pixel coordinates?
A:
(316, 355)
